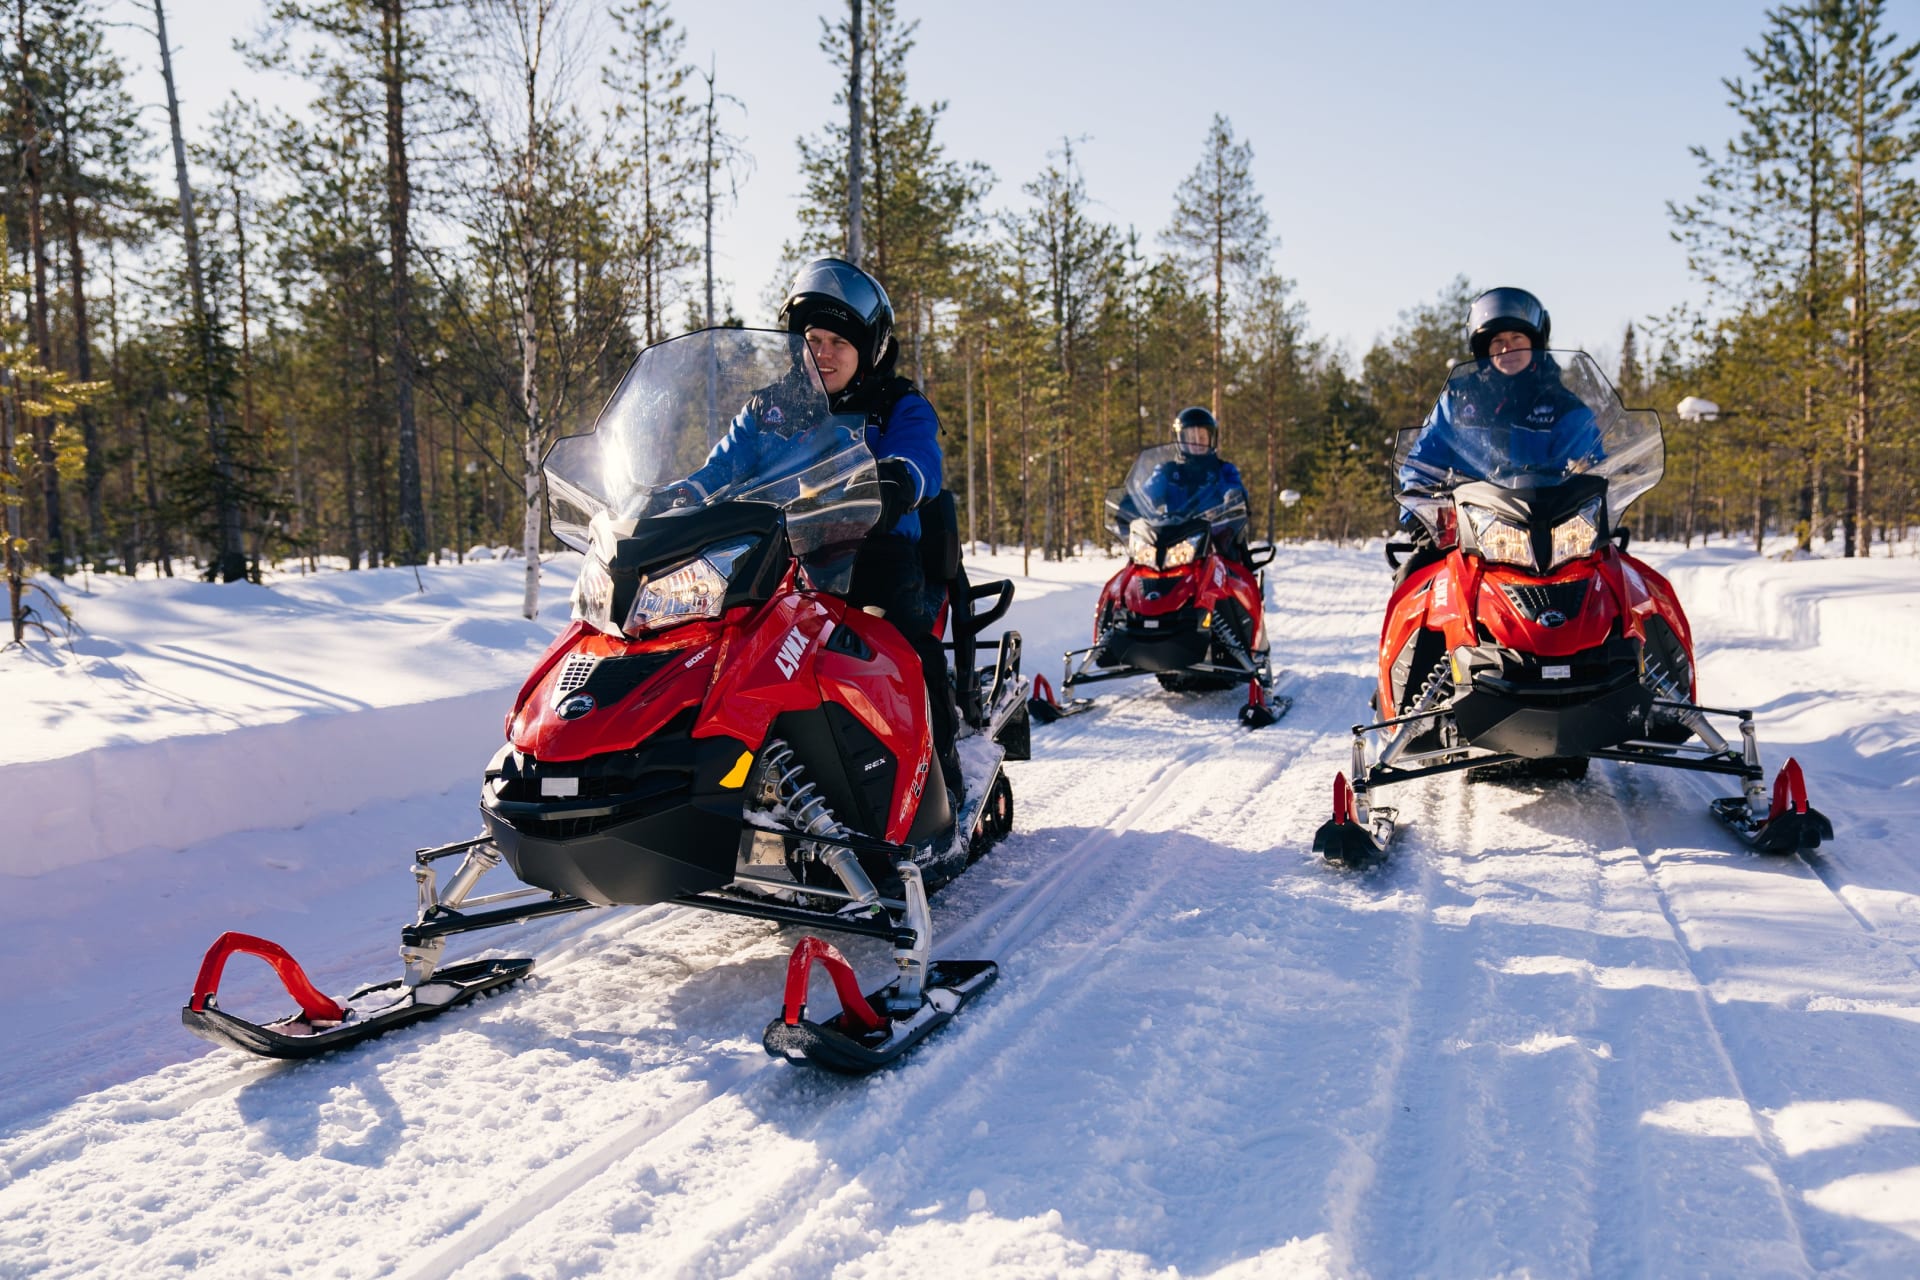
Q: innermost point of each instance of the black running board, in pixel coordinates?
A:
(388, 1005)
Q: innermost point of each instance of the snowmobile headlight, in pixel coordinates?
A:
(1575, 537)
(1140, 546)
(1499, 539)
(1183, 552)
(593, 595)
(696, 589)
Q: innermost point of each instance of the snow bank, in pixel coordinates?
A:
(180, 791)
(184, 711)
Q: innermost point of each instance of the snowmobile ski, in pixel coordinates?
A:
(1264, 707)
(322, 1024)
(1350, 838)
(1791, 825)
(1046, 707)
(870, 1031)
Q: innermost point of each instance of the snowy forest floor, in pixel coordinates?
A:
(1569, 1029)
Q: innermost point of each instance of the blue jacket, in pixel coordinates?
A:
(910, 431)
(1542, 427)
(1194, 484)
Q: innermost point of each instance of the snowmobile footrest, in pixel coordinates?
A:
(367, 1013)
(861, 1039)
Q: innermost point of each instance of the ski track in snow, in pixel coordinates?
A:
(1568, 1029)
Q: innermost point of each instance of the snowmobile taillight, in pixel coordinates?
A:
(856, 1011)
(316, 1007)
(1789, 790)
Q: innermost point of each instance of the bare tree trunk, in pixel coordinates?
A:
(986, 387)
(53, 551)
(853, 138)
(96, 472)
(231, 563)
(709, 194)
(413, 515)
(973, 528)
(1859, 528)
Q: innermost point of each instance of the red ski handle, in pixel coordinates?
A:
(316, 1007)
(1789, 790)
(1043, 690)
(852, 1000)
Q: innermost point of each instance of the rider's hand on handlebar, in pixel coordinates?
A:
(670, 498)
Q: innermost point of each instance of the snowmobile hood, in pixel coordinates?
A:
(607, 695)
(1155, 593)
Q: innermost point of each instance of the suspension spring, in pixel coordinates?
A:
(802, 799)
(1667, 687)
(1434, 691)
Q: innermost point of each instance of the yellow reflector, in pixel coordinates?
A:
(1206, 619)
(737, 776)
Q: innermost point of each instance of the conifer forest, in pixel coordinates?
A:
(345, 337)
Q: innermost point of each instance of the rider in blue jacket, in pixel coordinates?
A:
(1515, 389)
(1199, 478)
(847, 320)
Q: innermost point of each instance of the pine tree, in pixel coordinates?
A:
(1220, 226)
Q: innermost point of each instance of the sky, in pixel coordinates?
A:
(1397, 144)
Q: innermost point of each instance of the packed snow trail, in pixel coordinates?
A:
(1568, 1029)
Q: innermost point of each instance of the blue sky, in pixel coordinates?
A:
(1397, 144)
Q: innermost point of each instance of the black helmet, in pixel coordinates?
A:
(835, 295)
(1195, 416)
(1506, 310)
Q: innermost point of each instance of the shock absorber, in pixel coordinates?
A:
(1433, 692)
(802, 799)
(1667, 688)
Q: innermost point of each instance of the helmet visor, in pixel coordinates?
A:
(1196, 439)
(845, 282)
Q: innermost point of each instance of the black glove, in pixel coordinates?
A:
(670, 498)
(896, 493)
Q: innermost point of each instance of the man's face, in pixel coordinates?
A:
(1195, 441)
(1510, 352)
(835, 357)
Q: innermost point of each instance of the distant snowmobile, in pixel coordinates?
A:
(1525, 639)
(1185, 609)
(717, 727)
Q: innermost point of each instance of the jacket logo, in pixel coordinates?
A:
(773, 417)
(791, 649)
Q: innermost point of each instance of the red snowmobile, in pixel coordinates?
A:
(1188, 608)
(1523, 639)
(717, 727)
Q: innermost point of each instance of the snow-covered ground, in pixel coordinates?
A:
(1570, 1029)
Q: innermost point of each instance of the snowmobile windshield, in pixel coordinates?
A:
(722, 415)
(1169, 486)
(1527, 428)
